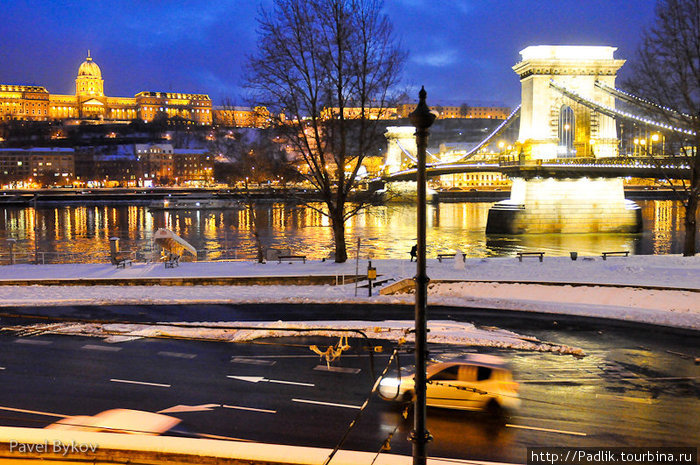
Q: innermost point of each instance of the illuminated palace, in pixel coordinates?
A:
(19, 102)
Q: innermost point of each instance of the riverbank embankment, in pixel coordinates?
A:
(662, 290)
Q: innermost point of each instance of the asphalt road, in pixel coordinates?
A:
(635, 387)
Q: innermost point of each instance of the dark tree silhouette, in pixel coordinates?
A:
(667, 73)
(328, 66)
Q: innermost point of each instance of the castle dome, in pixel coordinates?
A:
(89, 68)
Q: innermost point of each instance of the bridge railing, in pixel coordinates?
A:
(676, 162)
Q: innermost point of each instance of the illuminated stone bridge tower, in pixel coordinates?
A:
(553, 126)
(400, 139)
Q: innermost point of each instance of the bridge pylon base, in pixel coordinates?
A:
(548, 205)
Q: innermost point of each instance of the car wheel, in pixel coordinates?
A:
(494, 410)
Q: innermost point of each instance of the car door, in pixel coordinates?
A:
(459, 392)
(440, 390)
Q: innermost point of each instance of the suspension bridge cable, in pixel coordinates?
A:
(495, 133)
(639, 101)
(614, 112)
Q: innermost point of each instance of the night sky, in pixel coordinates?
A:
(461, 50)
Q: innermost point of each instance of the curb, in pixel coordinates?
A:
(30, 445)
(309, 280)
(409, 284)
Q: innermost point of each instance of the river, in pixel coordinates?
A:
(81, 233)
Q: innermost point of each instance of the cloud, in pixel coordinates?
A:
(438, 58)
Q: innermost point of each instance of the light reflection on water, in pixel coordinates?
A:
(385, 231)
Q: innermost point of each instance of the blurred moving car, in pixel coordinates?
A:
(121, 421)
(476, 382)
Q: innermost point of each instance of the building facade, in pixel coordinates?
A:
(43, 165)
(446, 112)
(241, 117)
(35, 103)
(375, 113)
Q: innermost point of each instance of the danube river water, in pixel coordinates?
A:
(82, 233)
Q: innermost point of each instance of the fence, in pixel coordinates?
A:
(145, 255)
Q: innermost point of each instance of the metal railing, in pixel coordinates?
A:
(17, 257)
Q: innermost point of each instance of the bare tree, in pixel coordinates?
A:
(667, 72)
(328, 66)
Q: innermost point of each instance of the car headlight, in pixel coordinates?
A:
(390, 382)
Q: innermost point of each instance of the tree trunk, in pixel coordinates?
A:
(338, 224)
(691, 225)
(260, 255)
(691, 207)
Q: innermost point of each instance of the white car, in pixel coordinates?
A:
(476, 382)
(121, 421)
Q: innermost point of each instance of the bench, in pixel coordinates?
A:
(446, 256)
(291, 257)
(622, 253)
(530, 254)
(120, 262)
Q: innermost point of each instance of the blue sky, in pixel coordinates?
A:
(461, 50)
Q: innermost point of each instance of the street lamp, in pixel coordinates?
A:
(422, 118)
(654, 138)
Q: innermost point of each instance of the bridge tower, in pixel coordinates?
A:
(400, 139)
(553, 126)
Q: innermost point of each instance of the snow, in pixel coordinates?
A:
(445, 332)
(659, 289)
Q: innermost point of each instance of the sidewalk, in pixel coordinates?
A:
(661, 290)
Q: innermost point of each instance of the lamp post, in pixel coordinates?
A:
(36, 232)
(654, 138)
(422, 118)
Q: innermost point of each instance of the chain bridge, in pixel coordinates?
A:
(567, 164)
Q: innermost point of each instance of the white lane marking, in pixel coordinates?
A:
(623, 378)
(36, 342)
(251, 409)
(190, 408)
(35, 412)
(117, 380)
(352, 371)
(177, 354)
(546, 430)
(638, 400)
(330, 404)
(260, 379)
(225, 438)
(316, 356)
(102, 348)
(252, 361)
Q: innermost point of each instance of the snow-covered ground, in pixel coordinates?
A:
(441, 332)
(654, 289)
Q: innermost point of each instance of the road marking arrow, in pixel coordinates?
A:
(190, 408)
(260, 379)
